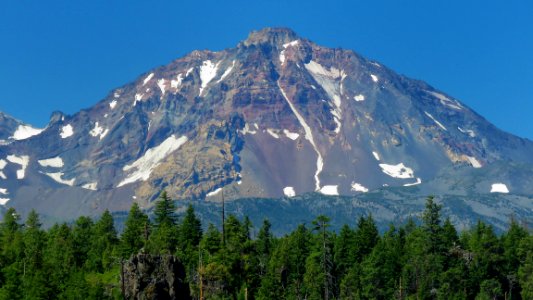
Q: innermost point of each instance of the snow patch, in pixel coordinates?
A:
(226, 73)
(3, 164)
(418, 181)
(397, 171)
(282, 57)
(272, 133)
(161, 85)
(474, 162)
(54, 162)
(435, 120)
(308, 136)
(288, 191)
(3, 191)
(446, 101)
(376, 155)
(116, 95)
(471, 133)
(374, 77)
(143, 167)
(3, 201)
(208, 71)
(148, 78)
(357, 187)
(25, 131)
(98, 131)
(359, 97)
(112, 104)
(189, 72)
(176, 83)
(499, 188)
(23, 161)
(57, 177)
(66, 131)
(213, 193)
(90, 186)
(291, 135)
(247, 130)
(331, 190)
(290, 44)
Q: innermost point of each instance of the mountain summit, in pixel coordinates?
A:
(276, 116)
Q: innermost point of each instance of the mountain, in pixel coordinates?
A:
(276, 116)
(12, 129)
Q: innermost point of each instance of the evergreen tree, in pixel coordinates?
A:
(135, 234)
(103, 244)
(164, 238)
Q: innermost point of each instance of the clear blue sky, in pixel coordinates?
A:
(67, 55)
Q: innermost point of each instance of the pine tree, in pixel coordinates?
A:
(135, 234)
(103, 244)
(164, 238)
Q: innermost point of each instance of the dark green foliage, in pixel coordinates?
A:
(426, 261)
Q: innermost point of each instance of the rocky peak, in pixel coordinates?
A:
(273, 36)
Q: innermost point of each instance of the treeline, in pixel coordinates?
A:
(429, 260)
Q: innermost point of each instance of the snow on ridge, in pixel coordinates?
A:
(376, 155)
(397, 171)
(66, 131)
(25, 131)
(226, 73)
(143, 166)
(470, 132)
(317, 69)
(290, 44)
(112, 104)
(148, 78)
(435, 120)
(208, 71)
(3, 164)
(374, 77)
(23, 161)
(176, 83)
(90, 186)
(57, 178)
(213, 193)
(308, 136)
(273, 133)
(291, 135)
(54, 162)
(116, 95)
(3, 201)
(418, 181)
(161, 85)
(357, 187)
(499, 188)
(474, 162)
(446, 101)
(331, 190)
(98, 131)
(288, 191)
(359, 97)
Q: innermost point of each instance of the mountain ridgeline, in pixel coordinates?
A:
(277, 116)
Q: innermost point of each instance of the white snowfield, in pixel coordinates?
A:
(435, 120)
(359, 97)
(374, 78)
(291, 135)
(161, 85)
(213, 193)
(3, 191)
(143, 167)
(474, 162)
(148, 78)
(308, 136)
(446, 101)
(66, 131)
(273, 133)
(248, 130)
(112, 104)
(470, 132)
(54, 162)
(98, 131)
(499, 188)
(3, 201)
(357, 187)
(208, 71)
(57, 178)
(418, 181)
(288, 191)
(175, 83)
(226, 73)
(376, 155)
(397, 171)
(23, 161)
(331, 82)
(138, 97)
(282, 53)
(330, 190)
(3, 164)
(90, 186)
(25, 131)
